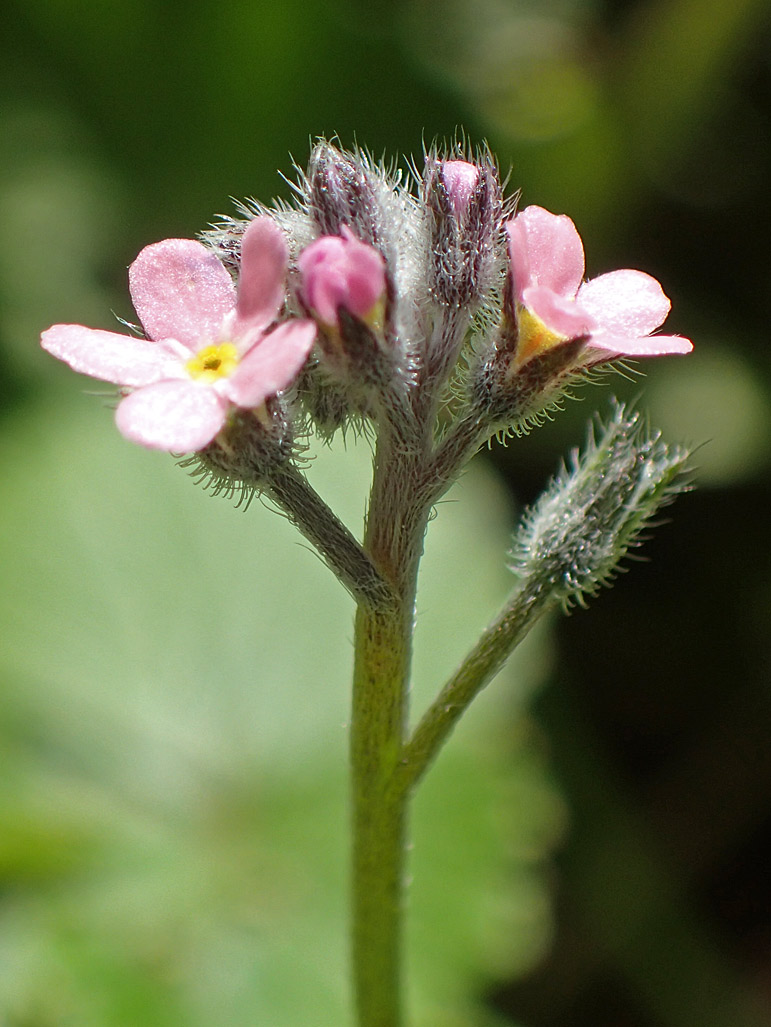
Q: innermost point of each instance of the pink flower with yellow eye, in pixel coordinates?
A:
(615, 313)
(208, 348)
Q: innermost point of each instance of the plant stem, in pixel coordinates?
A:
(379, 815)
(480, 666)
(323, 529)
(394, 539)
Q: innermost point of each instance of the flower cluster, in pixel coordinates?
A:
(435, 318)
(370, 314)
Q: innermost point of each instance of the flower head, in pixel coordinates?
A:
(207, 349)
(340, 271)
(615, 312)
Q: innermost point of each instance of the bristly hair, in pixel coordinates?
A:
(217, 483)
(572, 540)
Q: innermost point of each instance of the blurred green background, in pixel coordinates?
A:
(593, 848)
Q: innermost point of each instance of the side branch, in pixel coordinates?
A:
(453, 451)
(479, 667)
(345, 557)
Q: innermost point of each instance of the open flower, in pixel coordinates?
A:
(207, 349)
(615, 312)
(341, 271)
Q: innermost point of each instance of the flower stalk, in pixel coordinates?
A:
(567, 545)
(396, 524)
(347, 559)
(479, 667)
(379, 812)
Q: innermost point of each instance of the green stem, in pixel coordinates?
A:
(379, 815)
(479, 667)
(394, 539)
(334, 542)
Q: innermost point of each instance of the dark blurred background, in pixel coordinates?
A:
(649, 121)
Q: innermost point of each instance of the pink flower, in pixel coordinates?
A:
(340, 271)
(616, 312)
(207, 349)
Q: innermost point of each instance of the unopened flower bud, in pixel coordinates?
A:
(341, 193)
(459, 178)
(344, 285)
(464, 204)
(339, 271)
(572, 540)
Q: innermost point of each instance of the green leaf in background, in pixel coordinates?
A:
(173, 811)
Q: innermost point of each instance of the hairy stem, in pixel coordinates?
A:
(394, 538)
(479, 667)
(379, 817)
(322, 528)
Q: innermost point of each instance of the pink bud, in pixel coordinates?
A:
(340, 271)
(459, 179)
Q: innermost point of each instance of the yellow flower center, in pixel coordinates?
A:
(534, 337)
(376, 317)
(213, 362)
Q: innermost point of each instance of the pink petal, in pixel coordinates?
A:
(341, 271)
(459, 178)
(178, 416)
(323, 268)
(365, 274)
(560, 315)
(181, 291)
(262, 281)
(271, 365)
(646, 346)
(625, 302)
(545, 249)
(122, 359)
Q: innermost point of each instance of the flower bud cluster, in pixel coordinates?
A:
(571, 541)
(431, 310)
